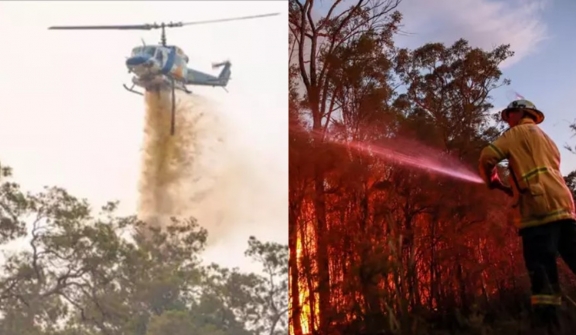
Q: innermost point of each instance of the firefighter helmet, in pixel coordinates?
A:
(527, 107)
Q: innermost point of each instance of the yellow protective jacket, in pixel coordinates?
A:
(541, 193)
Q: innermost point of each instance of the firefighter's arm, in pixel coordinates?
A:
(491, 155)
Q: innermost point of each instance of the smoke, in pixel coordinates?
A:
(199, 172)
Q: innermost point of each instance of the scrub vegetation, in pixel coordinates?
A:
(68, 270)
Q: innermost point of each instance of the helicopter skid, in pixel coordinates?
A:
(131, 89)
(159, 83)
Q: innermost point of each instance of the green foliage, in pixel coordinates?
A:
(68, 271)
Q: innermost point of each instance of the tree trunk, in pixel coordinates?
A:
(322, 258)
(295, 320)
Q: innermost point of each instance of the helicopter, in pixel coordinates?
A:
(165, 67)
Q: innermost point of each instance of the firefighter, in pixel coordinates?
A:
(546, 217)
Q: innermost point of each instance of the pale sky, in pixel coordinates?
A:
(67, 121)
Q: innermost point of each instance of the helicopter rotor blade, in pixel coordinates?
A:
(121, 27)
(157, 26)
(226, 19)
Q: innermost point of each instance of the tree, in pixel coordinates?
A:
(570, 180)
(317, 45)
(78, 273)
(258, 301)
(272, 288)
(377, 247)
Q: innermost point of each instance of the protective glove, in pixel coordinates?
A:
(495, 183)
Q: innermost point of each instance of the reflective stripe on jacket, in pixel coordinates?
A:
(542, 195)
(545, 299)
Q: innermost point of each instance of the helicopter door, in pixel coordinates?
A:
(179, 70)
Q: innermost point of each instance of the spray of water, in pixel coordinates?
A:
(170, 162)
(201, 172)
(415, 155)
(421, 158)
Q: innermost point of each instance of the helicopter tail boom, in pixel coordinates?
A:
(224, 75)
(194, 77)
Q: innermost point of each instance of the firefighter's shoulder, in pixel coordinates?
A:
(511, 133)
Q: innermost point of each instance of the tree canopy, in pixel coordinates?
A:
(68, 270)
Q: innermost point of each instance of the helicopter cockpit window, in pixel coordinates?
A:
(144, 50)
(136, 51)
(160, 55)
(149, 51)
